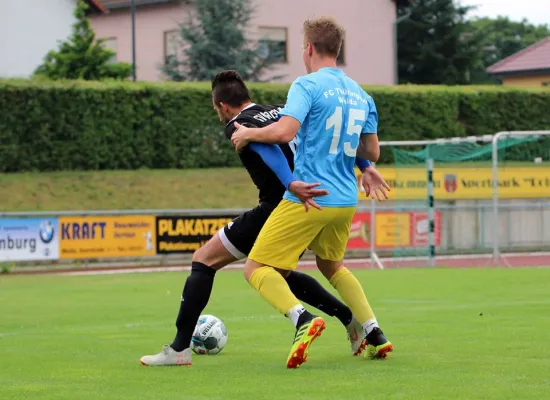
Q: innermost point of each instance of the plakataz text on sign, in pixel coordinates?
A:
(186, 234)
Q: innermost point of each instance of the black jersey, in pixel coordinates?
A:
(270, 187)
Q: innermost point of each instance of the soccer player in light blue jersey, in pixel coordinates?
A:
(332, 120)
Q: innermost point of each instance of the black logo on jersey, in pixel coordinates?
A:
(265, 116)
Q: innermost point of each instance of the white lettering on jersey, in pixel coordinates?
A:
(346, 96)
(265, 116)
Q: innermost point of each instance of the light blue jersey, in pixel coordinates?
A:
(334, 111)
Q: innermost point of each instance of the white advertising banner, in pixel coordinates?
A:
(27, 239)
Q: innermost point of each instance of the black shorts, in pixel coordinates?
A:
(239, 235)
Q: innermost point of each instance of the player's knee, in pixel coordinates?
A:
(204, 258)
(247, 272)
(199, 256)
(213, 254)
(250, 267)
(328, 268)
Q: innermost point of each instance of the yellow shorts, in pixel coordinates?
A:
(290, 230)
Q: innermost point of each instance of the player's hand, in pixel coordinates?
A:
(238, 138)
(375, 186)
(305, 192)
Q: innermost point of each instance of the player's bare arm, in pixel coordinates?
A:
(282, 131)
(369, 148)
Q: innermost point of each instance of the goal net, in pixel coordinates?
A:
(457, 221)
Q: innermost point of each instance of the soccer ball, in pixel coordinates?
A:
(210, 335)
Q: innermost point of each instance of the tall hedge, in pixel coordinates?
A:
(47, 126)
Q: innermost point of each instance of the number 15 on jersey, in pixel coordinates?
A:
(356, 120)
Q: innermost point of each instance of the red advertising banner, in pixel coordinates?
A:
(393, 230)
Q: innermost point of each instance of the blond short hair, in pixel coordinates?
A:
(325, 34)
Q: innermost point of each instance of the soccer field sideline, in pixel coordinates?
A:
(515, 260)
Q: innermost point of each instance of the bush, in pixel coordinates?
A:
(47, 126)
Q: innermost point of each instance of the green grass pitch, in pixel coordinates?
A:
(458, 334)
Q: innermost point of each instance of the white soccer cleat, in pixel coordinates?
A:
(168, 356)
(356, 337)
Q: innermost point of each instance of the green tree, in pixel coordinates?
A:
(213, 38)
(81, 56)
(434, 44)
(501, 38)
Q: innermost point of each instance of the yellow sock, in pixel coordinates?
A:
(273, 287)
(353, 295)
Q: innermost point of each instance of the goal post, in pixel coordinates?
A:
(444, 199)
(426, 154)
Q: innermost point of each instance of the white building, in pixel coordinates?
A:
(31, 28)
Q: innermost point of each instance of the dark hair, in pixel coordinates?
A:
(325, 34)
(228, 87)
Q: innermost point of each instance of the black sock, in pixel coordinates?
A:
(194, 299)
(304, 317)
(307, 289)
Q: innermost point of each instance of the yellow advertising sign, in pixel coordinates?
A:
(393, 230)
(466, 183)
(107, 236)
(186, 234)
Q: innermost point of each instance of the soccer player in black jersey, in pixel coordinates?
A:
(270, 167)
